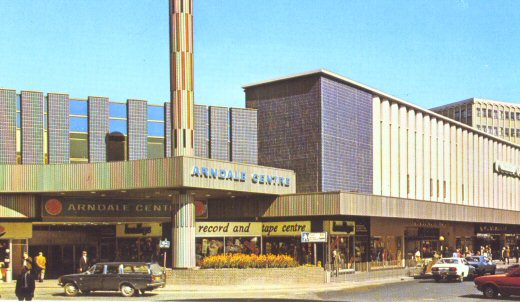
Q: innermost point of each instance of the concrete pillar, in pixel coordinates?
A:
(183, 231)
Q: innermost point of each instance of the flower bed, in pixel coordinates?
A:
(248, 261)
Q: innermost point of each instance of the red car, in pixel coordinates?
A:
(505, 284)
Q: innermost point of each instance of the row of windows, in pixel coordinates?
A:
(431, 187)
(498, 114)
(116, 110)
(500, 131)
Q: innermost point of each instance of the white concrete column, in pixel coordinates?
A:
(183, 231)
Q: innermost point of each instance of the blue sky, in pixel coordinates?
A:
(426, 52)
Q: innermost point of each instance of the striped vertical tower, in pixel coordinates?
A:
(181, 76)
(181, 90)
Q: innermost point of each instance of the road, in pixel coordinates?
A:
(415, 290)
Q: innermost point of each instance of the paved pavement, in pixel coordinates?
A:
(50, 290)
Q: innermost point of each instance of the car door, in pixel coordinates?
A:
(111, 277)
(511, 283)
(91, 279)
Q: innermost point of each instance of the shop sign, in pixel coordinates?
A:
(292, 228)
(15, 230)
(164, 244)
(340, 227)
(361, 229)
(426, 223)
(139, 230)
(225, 229)
(239, 176)
(308, 237)
(496, 229)
(507, 168)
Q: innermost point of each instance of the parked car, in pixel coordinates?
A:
(482, 265)
(503, 284)
(451, 269)
(129, 278)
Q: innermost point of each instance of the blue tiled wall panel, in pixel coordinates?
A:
(201, 132)
(347, 137)
(219, 133)
(244, 146)
(289, 127)
(59, 125)
(7, 126)
(98, 111)
(32, 127)
(137, 129)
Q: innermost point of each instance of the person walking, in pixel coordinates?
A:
(517, 253)
(503, 254)
(335, 262)
(508, 254)
(25, 285)
(41, 263)
(84, 262)
(27, 261)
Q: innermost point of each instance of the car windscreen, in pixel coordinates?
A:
(473, 259)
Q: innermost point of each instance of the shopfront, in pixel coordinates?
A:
(215, 238)
(496, 236)
(285, 238)
(14, 238)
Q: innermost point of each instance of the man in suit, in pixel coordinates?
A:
(84, 262)
(25, 285)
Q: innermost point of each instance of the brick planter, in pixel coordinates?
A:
(298, 275)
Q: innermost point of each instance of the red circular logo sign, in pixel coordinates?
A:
(53, 207)
(201, 208)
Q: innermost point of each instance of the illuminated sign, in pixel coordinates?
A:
(239, 176)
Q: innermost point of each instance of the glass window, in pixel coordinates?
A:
(501, 114)
(18, 119)
(478, 111)
(463, 113)
(18, 102)
(155, 148)
(507, 131)
(495, 114)
(490, 113)
(495, 130)
(457, 115)
(155, 129)
(156, 113)
(512, 115)
(507, 115)
(513, 132)
(78, 124)
(78, 107)
(118, 110)
(478, 127)
(78, 147)
(490, 130)
(484, 112)
(518, 115)
(118, 126)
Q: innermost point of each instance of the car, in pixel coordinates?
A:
(451, 269)
(503, 284)
(128, 278)
(482, 265)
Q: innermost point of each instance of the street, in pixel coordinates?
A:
(414, 290)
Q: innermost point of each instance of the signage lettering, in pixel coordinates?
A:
(240, 176)
(507, 169)
(221, 229)
(292, 228)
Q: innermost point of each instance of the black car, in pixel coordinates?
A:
(129, 278)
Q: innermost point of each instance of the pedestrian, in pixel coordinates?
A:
(508, 254)
(517, 253)
(84, 262)
(455, 253)
(335, 262)
(27, 261)
(417, 255)
(25, 285)
(41, 263)
(503, 254)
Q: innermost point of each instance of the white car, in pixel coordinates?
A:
(451, 268)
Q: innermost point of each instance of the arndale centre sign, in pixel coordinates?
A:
(240, 176)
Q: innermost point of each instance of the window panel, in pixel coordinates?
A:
(155, 129)
(118, 110)
(78, 124)
(119, 126)
(156, 113)
(78, 107)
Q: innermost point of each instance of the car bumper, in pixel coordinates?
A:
(445, 274)
(155, 285)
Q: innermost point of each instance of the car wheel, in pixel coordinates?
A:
(490, 292)
(127, 290)
(70, 289)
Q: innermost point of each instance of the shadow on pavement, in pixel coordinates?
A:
(103, 294)
(481, 297)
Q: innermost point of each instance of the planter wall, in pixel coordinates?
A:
(298, 275)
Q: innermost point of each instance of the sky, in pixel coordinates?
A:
(426, 52)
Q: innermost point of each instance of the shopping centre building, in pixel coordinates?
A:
(313, 152)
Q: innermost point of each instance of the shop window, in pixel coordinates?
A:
(116, 146)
